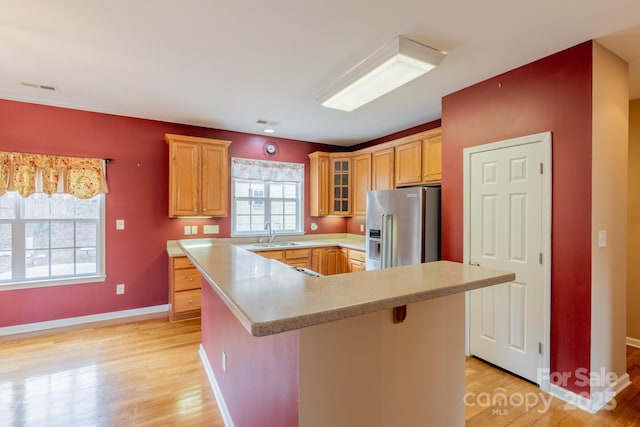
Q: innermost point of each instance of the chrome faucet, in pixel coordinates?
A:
(272, 234)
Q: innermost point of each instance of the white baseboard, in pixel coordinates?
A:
(603, 400)
(74, 321)
(224, 411)
(633, 342)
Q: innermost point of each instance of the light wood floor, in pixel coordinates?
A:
(148, 373)
(137, 374)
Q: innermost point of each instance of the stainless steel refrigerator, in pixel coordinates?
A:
(403, 227)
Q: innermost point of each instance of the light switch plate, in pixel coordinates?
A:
(119, 224)
(602, 238)
(194, 229)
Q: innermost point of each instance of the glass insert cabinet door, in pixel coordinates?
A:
(340, 186)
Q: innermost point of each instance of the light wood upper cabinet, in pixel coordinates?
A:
(361, 182)
(419, 159)
(340, 184)
(382, 166)
(408, 163)
(319, 183)
(432, 159)
(198, 176)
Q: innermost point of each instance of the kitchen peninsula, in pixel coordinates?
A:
(282, 348)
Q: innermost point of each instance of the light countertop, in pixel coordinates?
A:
(269, 297)
(350, 241)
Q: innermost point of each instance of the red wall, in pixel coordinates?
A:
(260, 387)
(552, 94)
(138, 183)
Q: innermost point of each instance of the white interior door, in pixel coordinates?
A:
(506, 201)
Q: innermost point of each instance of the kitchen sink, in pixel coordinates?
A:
(275, 245)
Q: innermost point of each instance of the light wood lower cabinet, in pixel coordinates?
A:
(357, 261)
(326, 261)
(184, 289)
(298, 257)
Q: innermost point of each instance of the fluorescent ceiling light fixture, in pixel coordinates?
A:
(393, 65)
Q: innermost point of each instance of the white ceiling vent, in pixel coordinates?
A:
(266, 122)
(39, 86)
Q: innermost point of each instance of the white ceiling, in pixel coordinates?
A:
(227, 63)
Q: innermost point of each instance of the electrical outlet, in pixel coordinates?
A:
(224, 362)
(211, 229)
(120, 289)
(361, 227)
(194, 229)
(187, 230)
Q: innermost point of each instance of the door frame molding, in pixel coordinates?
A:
(545, 139)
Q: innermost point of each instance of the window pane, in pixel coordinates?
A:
(242, 189)
(257, 207)
(277, 207)
(86, 261)
(37, 235)
(87, 234)
(61, 234)
(243, 207)
(7, 205)
(63, 206)
(257, 189)
(243, 223)
(275, 191)
(290, 223)
(290, 208)
(88, 208)
(62, 262)
(5, 265)
(257, 223)
(37, 206)
(5, 237)
(291, 191)
(37, 263)
(276, 223)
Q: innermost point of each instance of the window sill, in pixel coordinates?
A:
(293, 233)
(9, 286)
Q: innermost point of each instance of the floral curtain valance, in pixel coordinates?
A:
(262, 170)
(38, 173)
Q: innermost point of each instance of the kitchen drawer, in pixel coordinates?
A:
(298, 253)
(186, 279)
(356, 255)
(187, 301)
(182, 262)
(279, 255)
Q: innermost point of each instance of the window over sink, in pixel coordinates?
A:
(264, 191)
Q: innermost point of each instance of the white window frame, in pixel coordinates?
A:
(299, 199)
(18, 245)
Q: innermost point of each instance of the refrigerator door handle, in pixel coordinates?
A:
(386, 237)
(383, 241)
